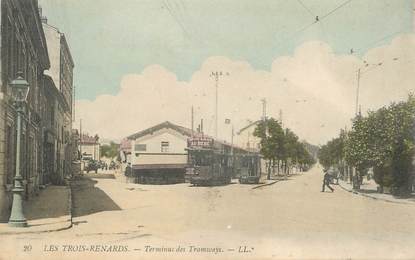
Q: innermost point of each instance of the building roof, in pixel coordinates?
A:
(182, 130)
(87, 139)
(62, 38)
(248, 126)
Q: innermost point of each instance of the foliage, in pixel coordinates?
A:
(382, 140)
(332, 153)
(279, 145)
(109, 151)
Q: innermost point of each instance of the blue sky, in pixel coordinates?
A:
(109, 39)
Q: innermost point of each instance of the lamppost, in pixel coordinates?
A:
(20, 90)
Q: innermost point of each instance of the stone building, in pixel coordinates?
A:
(60, 76)
(23, 48)
(52, 134)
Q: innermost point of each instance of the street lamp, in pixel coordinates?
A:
(20, 90)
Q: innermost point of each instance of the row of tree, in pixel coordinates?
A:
(282, 148)
(383, 141)
(109, 150)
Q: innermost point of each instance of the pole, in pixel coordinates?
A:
(216, 105)
(357, 91)
(80, 137)
(264, 115)
(192, 120)
(232, 139)
(232, 153)
(17, 218)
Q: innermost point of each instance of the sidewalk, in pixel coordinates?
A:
(369, 189)
(49, 211)
(274, 179)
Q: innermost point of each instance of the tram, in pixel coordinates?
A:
(249, 168)
(210, 162)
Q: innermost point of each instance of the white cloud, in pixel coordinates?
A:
(315, 89)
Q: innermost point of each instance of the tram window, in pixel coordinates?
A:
(245, 163)
(201, 159)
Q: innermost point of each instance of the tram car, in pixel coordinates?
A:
(249, 168)
(209, 162)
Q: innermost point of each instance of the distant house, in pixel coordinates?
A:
(158, 154)
(245, 137)
(89, 147)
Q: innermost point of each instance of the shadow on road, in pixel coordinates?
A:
(88, 199)
(51, 202)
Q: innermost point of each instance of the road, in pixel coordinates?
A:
(290, 219)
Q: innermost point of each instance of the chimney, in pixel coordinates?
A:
(43, 19)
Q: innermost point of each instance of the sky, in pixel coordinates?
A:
(141, 62)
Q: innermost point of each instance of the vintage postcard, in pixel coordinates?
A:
(216, 129)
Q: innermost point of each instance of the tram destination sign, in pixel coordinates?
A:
(200, 141)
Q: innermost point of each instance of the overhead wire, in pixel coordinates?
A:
(305, 7)
(335, 9)
(167, 5)
(361, 50)
(317, 19)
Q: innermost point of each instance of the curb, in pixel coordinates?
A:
(66, 225)
(374, 198)
(266, 184)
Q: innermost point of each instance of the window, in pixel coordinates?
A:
(140, 147)
(164, 147)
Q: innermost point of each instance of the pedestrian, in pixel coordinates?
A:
(128, 170)
(326, 181)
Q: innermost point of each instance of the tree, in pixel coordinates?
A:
(279, 147)
(384, 140)
(289, 149)
(109, 151)
(271, 134)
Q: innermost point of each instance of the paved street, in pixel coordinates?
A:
(290, 219)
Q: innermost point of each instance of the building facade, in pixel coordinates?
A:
(158, 154)
(245, 137)
(89, 147)
(23, 48)
(60, 79)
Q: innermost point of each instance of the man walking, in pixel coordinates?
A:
(326, 181)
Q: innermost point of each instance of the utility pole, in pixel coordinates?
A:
(264, 115)
(80, 138)
(217, 75)
(281, 118)
(264, 109)
(192, 121)
(357, 91)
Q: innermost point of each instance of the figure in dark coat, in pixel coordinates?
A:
(128, 170)
(326, 182)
